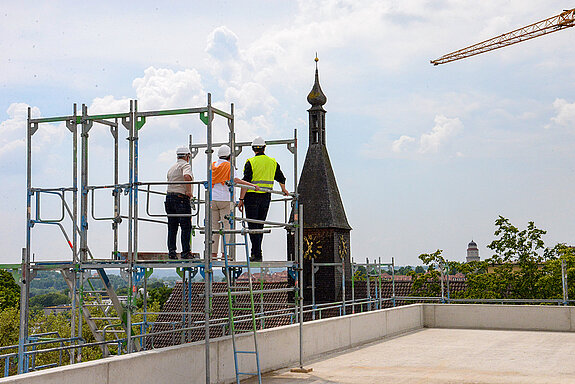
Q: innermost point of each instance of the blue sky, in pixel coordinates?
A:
(426, 157)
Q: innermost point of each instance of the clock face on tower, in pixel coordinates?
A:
(311, 247)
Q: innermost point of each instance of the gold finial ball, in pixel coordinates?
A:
(316, 59)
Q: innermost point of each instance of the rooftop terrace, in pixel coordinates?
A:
(419, 343)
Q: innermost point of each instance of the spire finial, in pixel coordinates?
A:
(316, 97)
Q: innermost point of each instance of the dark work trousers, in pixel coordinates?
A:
(178, 204)
(257, 205)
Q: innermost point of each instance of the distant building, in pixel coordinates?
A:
(57, 309)
(472, 252)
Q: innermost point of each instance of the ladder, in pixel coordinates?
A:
(91, 296)
(235, 293)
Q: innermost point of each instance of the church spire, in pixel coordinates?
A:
(317, 99)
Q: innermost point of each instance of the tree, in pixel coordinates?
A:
(160, 294)
(404, 270)
(429, 283)
(550, 284)
(9, 326)
(49, 300)
(9, 291)
(517, 261)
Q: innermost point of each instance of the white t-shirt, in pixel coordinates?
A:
(176, 173)
(221, 192)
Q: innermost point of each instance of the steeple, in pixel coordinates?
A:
(317, 99)
(318, 186)
(326, 232)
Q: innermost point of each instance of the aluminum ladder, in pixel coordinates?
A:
(236, 292)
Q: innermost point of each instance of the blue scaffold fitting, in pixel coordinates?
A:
(192, 270)
(139, 274)
(235, 272)
(292, 272)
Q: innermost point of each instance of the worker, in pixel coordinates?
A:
(177, 204)
(222, 202)
(260, 170)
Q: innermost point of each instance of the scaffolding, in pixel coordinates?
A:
(111, 320)
(340, 267)
(373, 270)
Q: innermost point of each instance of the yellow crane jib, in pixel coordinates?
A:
(565, 19)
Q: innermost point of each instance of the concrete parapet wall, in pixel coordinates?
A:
(508, 317)
(278, 348)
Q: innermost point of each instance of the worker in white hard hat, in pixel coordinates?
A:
(222, 203)
(177, 204)
(260, 170)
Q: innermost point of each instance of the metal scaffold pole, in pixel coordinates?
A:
(72, 125)
(299, 253)
(300, 276)
(24, 296)
(131, 226)
(208, 239)
(24, 288)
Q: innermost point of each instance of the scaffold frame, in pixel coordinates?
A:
(83, 265)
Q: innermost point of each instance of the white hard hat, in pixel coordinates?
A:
(224, 151)
(183, 151)
(258, 142)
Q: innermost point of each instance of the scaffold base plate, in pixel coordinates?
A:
(301, 370)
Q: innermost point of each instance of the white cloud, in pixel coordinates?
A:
(223, 44)
(400, 144)
(13, 129)
(108, 104)
(444, 129)
(162, 88)
(565, 113)
(243, 85)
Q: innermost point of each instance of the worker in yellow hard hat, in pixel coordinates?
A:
(262, 171)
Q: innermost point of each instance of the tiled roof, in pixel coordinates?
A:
(172, 318)
(277, 277)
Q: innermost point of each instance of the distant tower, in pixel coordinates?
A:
(326, 230)
(472, 252)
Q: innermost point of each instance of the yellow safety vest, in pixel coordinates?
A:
(263, 171)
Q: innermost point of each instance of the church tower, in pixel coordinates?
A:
(326, 230)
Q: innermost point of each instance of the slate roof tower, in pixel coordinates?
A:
(326, 229)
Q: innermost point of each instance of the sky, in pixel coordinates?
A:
(426, 157)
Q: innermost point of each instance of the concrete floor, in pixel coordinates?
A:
(447, 356)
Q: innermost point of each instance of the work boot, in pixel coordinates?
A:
(255, 259)
(187, 255)
(173, 256)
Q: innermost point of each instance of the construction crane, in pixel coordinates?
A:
(565, 19)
